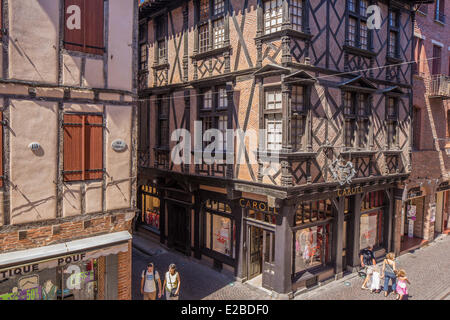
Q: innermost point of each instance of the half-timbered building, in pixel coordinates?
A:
(331, 89)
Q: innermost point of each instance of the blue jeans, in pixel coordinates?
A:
(388, 276)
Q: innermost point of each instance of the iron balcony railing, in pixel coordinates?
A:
(440, 86)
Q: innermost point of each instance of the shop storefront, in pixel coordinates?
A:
(312, 240)
(372, 220)
(412, 223)
(259, 223)
(76, 270)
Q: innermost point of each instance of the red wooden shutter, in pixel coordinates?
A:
(94, 23)
(94, 148)
(90, 37)
(1, 149)
(73, 141)
(74, 39)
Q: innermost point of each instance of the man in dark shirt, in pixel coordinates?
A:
(367, 261)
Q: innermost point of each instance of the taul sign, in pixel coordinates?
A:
(349, 191)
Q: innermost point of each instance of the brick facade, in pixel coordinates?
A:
(430, 161)
(124, 274)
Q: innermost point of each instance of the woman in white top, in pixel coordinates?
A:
(172, 283)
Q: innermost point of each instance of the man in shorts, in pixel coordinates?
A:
(367, 262)
(148, 283)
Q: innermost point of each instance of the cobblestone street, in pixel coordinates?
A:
(427, 270)
(197, 281)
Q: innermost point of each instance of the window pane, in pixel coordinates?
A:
(273, 16)
(203, 33)
(204, 10)
(298, 125)
(219, 7)
(207, 99)
(393, 44)
(274, 132)
(161, 51)
(222, 126)
(312, 247)
(223, 98)
(298, 99)
(219, 33)
(222, 235)
(363, 5)
(352, 32)
(363, 37)
(273, 100)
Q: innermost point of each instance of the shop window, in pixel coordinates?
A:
(71, 282)
(84, 26)
(151, 208)
(220, 228)
(313, 211)
(312, 247)
(83, 147)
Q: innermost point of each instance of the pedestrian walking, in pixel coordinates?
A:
(367, 261)
(148, 283)
(402, 288)
(388, 272)
(172, 283)
(375, 285)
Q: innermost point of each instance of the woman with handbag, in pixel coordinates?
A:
(172, 283)
(388, 271)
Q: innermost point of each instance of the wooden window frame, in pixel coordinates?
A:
(298, 132)
(83, 47)
(439, 12)
(161, 35)
(162, 117)
(278, 25)
(436, 67)
(272, 113)
(293, 10)
(212, 28)
(360, 20)
(357, 118)
(392, 123)
(83, 147)
(215, 112)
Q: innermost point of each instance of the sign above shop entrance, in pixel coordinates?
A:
(256, 205)
(349, 191)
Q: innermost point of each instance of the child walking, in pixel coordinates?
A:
(402, 289)
(375, 286)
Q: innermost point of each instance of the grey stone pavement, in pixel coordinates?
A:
(427, 269)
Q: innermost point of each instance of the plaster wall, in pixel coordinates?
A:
(34, 40)
(118, 189)
(33, 174)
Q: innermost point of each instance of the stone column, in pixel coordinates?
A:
(338, 234)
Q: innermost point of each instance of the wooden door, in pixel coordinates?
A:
(255, 242)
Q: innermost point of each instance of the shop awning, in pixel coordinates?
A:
(62, 249)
